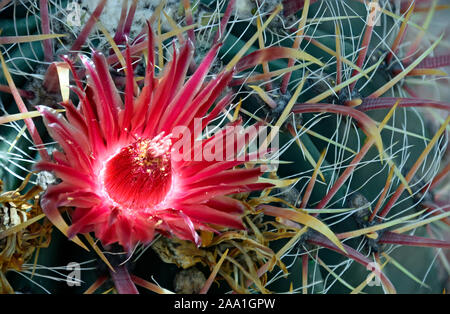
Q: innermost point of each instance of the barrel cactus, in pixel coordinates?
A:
(224, 146)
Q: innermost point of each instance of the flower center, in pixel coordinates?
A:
(140, 175)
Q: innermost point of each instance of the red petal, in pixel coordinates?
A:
(95, 134)
(75, 118)
(226, 204)
(229, 177)
(204, 100)
(144, 230)
(83, 199)
(210, 215)
(205, 168)
(86, 222)
(114, 100)
(203, 194)
(67, 174)
(129, 88)
(101, 100)
(50, 208)
(125, 231)
(187, 93)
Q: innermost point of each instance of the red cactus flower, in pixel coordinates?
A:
(117, 165)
